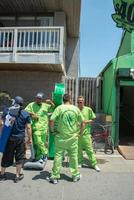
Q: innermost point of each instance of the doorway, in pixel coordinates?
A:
(126, 116)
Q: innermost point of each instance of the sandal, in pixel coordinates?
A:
(18, 178)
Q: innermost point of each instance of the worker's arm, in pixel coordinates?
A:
(82, 126)
(51, 126)
(1, 123)
(49, 101)
(33, 115)
(29, 132)
(89, 121)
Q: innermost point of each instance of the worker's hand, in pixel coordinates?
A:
(46, 144)
(88, 121)
(29, 141)
(1, 123)
(80, 134)
(12, 120)
(34, 116)
(49, 101)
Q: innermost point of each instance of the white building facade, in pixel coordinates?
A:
(39, 45)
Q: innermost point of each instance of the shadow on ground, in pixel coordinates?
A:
(45, 174)
(10, 176)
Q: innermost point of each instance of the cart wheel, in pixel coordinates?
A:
(109, 145)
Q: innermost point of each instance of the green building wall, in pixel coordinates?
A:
(110, 85)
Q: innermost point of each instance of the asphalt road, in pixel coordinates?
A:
(115, 181)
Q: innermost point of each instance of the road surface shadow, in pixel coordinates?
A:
(45, 175)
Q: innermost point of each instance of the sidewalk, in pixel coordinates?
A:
(114, 162)
(107, 163)
(115, 181)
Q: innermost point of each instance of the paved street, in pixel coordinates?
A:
(115, 181)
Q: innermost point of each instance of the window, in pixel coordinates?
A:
(44, 21)
(7, 21)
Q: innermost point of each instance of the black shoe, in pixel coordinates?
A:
(18, 178)
(3, 177)
(76, 178)
(53, 180)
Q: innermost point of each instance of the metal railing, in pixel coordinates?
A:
(82, 86)
(31, 39)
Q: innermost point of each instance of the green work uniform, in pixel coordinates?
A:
(85, 141)
(68, 118)
(39, 127)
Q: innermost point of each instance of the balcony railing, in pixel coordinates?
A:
(31, 39)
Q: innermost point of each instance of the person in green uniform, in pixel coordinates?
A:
(85, 140)
(39, 113)
(69, 125)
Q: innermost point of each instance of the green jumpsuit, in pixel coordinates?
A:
(39, 127)
(68, 118)
(85, 141)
